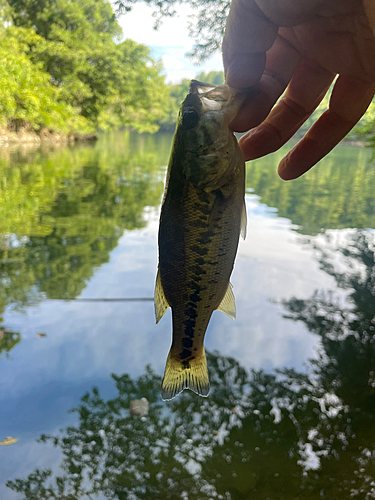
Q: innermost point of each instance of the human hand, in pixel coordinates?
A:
(300, 46)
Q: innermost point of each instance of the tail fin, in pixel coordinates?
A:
(177, 377)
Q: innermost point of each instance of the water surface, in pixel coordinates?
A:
(292, 405)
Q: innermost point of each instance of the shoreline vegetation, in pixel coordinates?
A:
(29, 137)
(69, 73)
(32, 140)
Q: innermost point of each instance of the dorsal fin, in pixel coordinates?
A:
(161, 303)
(228, 305)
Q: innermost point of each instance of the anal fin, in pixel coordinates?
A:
(161, 303)
(179, 375)
(228, 304)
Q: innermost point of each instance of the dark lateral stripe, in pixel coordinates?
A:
(207, 234)
(185, 353)
(206, 237)
(199, 250)
(204, 209)
(194, 297)
(189, 328)
(203, 197)
(198, 270)
(187, 342)
(198, 223)
(191, 312)
(193, 304)
(194, 285)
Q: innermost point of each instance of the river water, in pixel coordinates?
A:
(291, 413)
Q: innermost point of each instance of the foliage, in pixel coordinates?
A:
(214, 77)
(363, 130)
(177, 95)
(67, 69)
(26, 91)
(258, 435)
(337, 193)
(62, 214)
(8, 340)
(366, 127)
(206, 27)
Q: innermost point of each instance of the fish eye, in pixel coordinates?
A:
(190, 119)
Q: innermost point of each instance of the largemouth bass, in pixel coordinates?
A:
(200, 225)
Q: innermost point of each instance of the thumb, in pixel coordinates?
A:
(369, 7)
(248, 36)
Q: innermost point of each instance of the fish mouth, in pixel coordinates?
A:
(197, 87)
(215, 97)
(219, 102)
(214, 92)
(202, 98)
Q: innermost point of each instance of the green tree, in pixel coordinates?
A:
(214, 77)
(26, 91)
(177, 95)
(77, 72)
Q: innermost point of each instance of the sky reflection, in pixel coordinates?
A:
(86, 342)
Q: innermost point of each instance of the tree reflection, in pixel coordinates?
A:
(338, 194)
(8, 340)
(259, 435)
(62, 213)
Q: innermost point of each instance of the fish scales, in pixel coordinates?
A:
(196, 277)
(199, 229)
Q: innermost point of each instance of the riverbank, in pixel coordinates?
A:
(45, 136)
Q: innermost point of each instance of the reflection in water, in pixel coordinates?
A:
(338, 193)
(288, 435)
(62, 213)
(8, 339)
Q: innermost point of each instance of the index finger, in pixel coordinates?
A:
(349, 101)
(248, 36)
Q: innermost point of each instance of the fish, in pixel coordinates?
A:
(202, 216)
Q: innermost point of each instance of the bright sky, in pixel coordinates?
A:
(169, 43)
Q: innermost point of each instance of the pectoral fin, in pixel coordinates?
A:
(227, 305)
(243, 221)
(161, 303)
